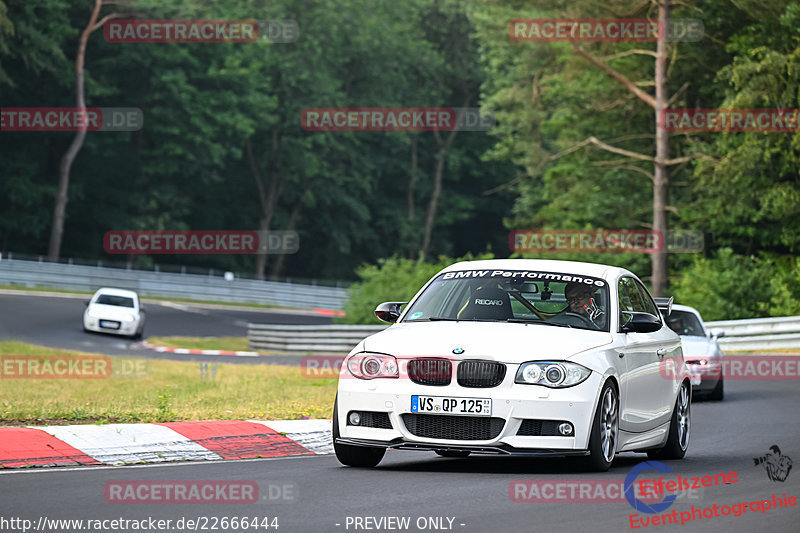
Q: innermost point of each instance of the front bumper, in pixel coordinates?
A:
(125, 328)
(478, 450)
(512, 403)
(704, 378)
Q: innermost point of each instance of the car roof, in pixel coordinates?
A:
(117, 292)
(545, 265)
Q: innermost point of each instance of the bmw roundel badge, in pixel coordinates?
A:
(458, 351)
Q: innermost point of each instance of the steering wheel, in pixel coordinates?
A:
(583, 320)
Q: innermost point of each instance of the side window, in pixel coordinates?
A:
(630, 299)
(649, 304)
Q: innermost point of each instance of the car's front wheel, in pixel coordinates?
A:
(718, 393)
(363, 456)
(680, 427)
(605, 429)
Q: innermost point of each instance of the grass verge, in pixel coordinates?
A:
(146, 390)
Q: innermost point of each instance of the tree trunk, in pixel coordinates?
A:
(661, 177)
(430, 216)
(268, 199)
(412, 177)
(60, 207)
(410, 242)
(277, 266)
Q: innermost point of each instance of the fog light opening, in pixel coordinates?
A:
(354, 418)
(565, 429)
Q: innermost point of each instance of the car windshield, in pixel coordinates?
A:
(547, 298)
(685, 323)
(110, 299)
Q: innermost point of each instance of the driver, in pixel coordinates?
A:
(677, 325)
(581, 301)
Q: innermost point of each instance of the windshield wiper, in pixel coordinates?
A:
(542, 322)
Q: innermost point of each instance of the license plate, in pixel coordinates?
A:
(109, 324)
(446, 405)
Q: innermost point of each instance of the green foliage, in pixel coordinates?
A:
(351, 196)
(729, 286)
(750, 182)
(392, 280)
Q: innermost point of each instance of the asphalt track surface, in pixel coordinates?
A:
(725, 437)
(55, 322)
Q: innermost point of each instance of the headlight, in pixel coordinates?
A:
(93, 313)
(371, 366)
(551, 374)
(129, 318)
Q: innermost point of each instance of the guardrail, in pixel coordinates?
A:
(758, 333)
(302, 340)
(752, 334)
(170, 285)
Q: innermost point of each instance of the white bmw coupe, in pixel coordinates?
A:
(521, 357)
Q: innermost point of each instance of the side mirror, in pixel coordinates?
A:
(716, 334)
(389, 311)
(87, 302)
(641, 323)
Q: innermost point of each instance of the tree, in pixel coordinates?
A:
(552, 108)
(6, 29)
(60, 207)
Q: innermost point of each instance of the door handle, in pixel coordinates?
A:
(660, 352)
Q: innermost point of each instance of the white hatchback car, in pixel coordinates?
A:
(114, 311)
(700, 350)
(517, 356)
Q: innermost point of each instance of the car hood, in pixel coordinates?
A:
(697, 347)
(113, 312)
(507, 343)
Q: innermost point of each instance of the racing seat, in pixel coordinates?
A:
(487, 303)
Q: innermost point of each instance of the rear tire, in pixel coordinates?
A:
(718, 393)
(605, 430)
(360, 456)
(680, 427)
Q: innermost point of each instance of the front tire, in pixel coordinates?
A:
(605, 429)
(718, 393)
(360, 456)
(680, 428)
